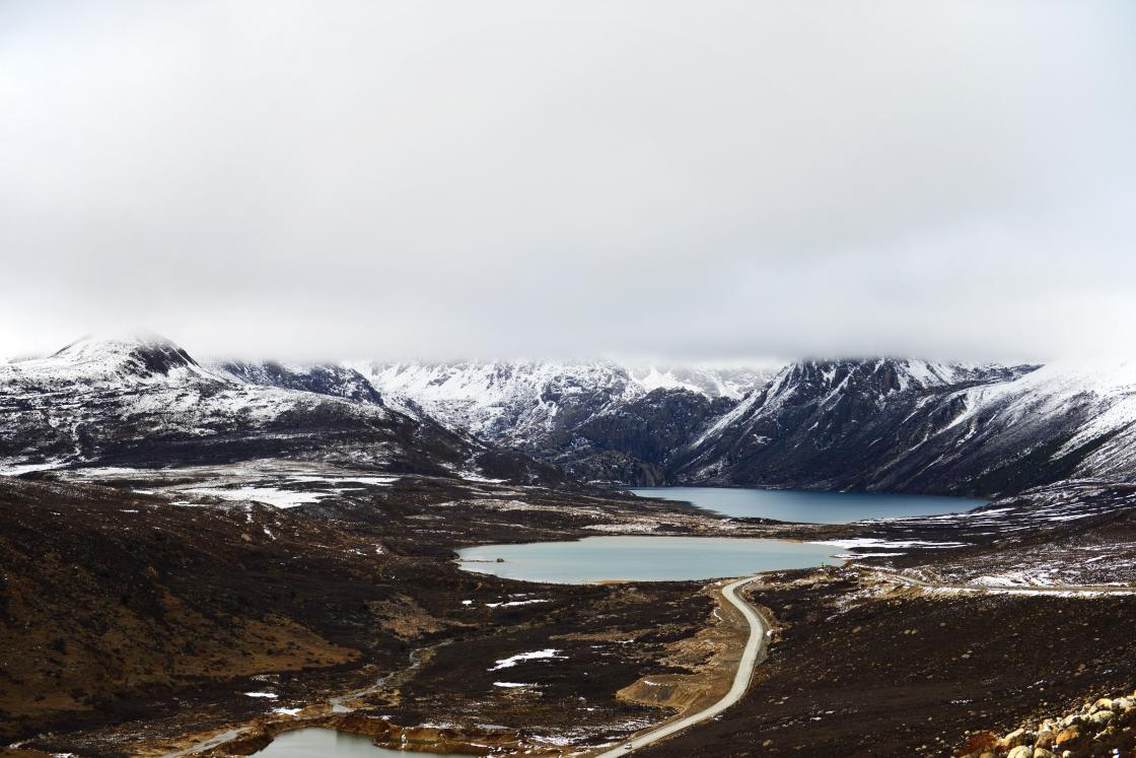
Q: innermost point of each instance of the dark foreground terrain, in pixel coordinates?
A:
(858, 673)
(128, 625)
(163, 612)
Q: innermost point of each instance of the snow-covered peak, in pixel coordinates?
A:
(1100, 378)
(732, 382)
(519, 401)
(824, 383)
(496, 400)
(1100, 396)
(108, 360)
(885, 375)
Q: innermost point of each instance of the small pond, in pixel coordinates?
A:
(307, 743)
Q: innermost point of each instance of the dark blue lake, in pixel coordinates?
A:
(810, 507)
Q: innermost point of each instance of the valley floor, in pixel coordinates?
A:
(149, 613)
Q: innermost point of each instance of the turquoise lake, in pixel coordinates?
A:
(810, 507)
(595, 559)
(306, 743)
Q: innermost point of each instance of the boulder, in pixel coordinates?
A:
(1021, 751)
(1073, 719)
(1069, 738)
(1016, 738)
(980, 742)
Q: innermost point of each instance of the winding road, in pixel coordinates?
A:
(753, 654)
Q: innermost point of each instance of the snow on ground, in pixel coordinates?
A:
(270, 495)
(474, 476)
(377, 481)
(1019, 578)
(280, 484)
(536, 655)
(10, 468)
(854, 556)
(873, 542)
(286, 711)
(624, 528)
(513, 603)
(1034, 591)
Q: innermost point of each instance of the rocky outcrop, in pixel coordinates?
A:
(634, 441)
(1103, 727)
(324, 379)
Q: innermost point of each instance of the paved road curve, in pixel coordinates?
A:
(751, 656)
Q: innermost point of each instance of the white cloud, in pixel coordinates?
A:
(537, 178)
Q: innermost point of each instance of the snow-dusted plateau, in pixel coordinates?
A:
(199, 555)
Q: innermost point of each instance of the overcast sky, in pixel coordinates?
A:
(687, 180)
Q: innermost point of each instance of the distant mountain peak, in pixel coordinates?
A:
(144, 352)
(104, 358)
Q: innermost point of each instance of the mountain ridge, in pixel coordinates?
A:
(562, 412)
(894, 424)
(986, 430)
(148, 402)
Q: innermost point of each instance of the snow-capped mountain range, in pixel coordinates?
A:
(883, 424)
(514, 400)
(599, 420)
(908, 426)
(145, 401)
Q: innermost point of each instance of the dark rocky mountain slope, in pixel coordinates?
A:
(324, 379)
(600, 421)
(635, 441)
(917, 427)
(880, 424)
(147, 402)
